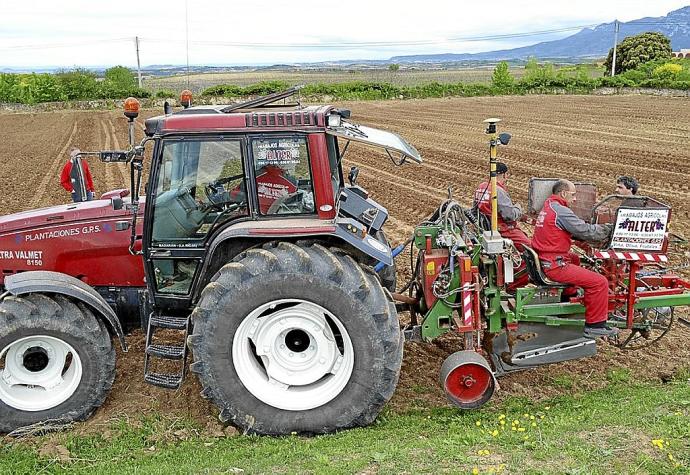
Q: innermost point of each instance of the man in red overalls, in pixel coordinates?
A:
(555, 227)
(508, 215)
(508, 212)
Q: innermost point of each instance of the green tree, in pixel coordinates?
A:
(78, 84)
(121, 78)
(393, 67)
(639, 49)
(501, 77)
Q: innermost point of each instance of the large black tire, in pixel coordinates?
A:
(309, 272)
(57, 317)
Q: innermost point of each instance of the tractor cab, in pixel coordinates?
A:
(254, 170)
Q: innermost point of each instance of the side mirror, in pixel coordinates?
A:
(113, 156)
(167, 108)
(504, 138)
(352, 176)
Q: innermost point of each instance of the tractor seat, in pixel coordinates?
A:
(536, 274)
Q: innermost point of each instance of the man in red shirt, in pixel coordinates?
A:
(508, 212)
(508, 215)
(555, 227)
(68, 181)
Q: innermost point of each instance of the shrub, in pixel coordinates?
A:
(165, 94)
(667, 71)
(501, 77)
(227, 90)
(78, 84)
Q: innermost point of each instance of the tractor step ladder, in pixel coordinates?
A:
(167, 351)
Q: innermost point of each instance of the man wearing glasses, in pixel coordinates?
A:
(553, 234)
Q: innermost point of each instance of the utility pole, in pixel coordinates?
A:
(186, 25)
(616, 26)
(136, 42)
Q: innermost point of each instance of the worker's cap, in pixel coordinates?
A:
(74, 151)
(501, 168)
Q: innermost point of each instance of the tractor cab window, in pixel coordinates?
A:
(334, 164)
(200, 185)
(283, 176)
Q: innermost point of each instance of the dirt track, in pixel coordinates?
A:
(584, 138)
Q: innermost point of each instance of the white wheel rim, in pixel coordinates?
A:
(286, 354)
(39, 372)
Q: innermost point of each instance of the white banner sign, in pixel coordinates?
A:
(639, 229)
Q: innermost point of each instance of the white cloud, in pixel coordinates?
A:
(70, 29)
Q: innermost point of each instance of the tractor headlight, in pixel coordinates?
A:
(334, 120)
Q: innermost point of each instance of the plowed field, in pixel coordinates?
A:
(583, 138)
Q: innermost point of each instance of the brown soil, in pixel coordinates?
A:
(584, 138)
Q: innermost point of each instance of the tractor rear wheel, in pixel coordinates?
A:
(296, 338)
(57, 361)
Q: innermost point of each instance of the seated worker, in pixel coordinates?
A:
(627, 186)
(553, 232)
(508, 212)
(508, 215)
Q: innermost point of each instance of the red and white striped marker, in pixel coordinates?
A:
(631, 256)
(467, 304)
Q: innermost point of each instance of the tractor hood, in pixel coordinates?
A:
(391, 142)
(89, 241)
(109, 206)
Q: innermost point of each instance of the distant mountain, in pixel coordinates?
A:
(593, 43)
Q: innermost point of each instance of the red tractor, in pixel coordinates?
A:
(249, 249)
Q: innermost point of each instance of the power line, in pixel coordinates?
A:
(65, 45)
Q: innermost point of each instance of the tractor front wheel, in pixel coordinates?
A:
(57, 361)
(296, 338)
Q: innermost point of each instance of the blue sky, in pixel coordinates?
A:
(67, 33)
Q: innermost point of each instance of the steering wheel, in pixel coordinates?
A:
(213, 190)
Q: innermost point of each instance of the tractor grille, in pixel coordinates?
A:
(280, 119)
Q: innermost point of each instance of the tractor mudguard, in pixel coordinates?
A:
(369, 245)
(347, 230)
(58, 283)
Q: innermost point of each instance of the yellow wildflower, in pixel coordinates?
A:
(534, 424)
(494, 432)
(475, 471)
(478, 423)
(521, 429)
(502, 416)
(503, 423)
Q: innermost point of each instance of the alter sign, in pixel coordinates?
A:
(279, 152)
(639, 229)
